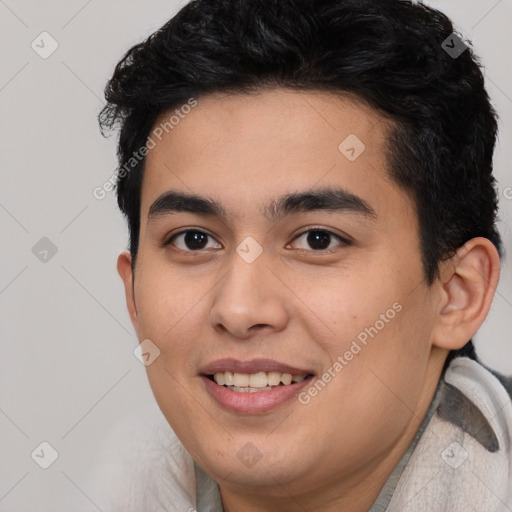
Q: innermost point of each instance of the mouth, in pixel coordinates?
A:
(253, 386)
(256, 382)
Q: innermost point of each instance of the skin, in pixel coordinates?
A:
(295, 304)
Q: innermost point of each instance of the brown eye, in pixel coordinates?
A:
(191, 240)
(319, 239)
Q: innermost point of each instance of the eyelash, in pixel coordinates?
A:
(343, 240)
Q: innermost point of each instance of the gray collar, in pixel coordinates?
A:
(383, 499)
(455, 407)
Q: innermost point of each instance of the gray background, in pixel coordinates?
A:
(67, 370)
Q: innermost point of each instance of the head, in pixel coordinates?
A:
(309, 183)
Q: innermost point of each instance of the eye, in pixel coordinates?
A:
(191, 240)
(319, 239)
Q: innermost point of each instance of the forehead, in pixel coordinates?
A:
(244, 149)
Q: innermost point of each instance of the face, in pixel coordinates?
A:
(279, 274)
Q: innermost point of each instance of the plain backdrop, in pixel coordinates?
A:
(67, 370)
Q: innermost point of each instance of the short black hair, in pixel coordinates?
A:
(390, 54)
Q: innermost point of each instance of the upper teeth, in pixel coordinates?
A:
(256, 380)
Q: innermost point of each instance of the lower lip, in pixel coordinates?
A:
(256, 402)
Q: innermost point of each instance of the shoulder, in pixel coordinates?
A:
(479, 397)
(142, 465)
(464, 459)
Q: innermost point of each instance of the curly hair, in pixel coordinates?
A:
(388, 53)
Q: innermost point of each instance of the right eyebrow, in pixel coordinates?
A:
(172, 202)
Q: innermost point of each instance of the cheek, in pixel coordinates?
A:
(375, 320)
(171, 316)
(169, 310)
(346, 307)
(163, 300)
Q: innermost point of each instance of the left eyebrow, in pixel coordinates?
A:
(326, 199)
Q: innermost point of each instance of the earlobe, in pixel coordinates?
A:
(467, 284)
(124, 268)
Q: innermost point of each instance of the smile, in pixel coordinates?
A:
(255, 386)
(254, 382)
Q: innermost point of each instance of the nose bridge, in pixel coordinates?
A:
(248, 296)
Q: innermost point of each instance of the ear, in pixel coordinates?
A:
(467, 284)
(124, 268)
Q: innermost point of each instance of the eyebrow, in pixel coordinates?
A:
(326, 199)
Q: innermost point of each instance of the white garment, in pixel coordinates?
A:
(146, 469)
(433, 481)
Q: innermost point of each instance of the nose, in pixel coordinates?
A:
(249, 300)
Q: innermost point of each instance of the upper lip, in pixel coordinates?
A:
(252, 366)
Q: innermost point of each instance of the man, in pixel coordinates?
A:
(309, 191)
